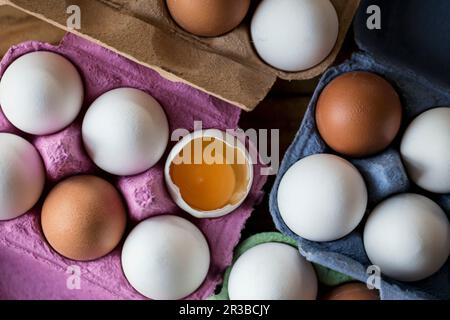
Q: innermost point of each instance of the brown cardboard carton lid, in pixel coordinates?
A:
(226, 67)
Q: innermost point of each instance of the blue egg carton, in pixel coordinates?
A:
(396, 52)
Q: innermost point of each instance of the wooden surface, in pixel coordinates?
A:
(282, 109)
(16, 27)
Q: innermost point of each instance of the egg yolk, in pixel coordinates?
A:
(205, 186)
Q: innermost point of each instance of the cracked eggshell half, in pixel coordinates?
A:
(242, 171)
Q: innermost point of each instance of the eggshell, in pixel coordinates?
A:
(408, 237)
(22, 176)
(294, 35)
(125, 131)
(83, 218)
(352, 291)
(358, 114)
(272, 271)
(41, 93)
(322, 198)
(209, 18)
(241, 195)
(425, 150)
(165, 258)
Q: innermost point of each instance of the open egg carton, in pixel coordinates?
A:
(30, 268)
(422, 84)
(227, 66)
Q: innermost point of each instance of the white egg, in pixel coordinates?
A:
(322, 198)
(41, 93)
(408, 237)
(242, 168)
(22, 176)
(272, 271)
(294, 35)
(165, 258)
(125, 131)
(425, 149)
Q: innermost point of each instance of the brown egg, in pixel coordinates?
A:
(83, 218)
(352, 291)
(358, 114)
(208, 18)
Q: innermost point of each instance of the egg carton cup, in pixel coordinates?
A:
(325, 276)
(29, 267)
(384, 175)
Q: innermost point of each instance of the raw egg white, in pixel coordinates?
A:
(294, 35)
(322, 198)
(41, 93)
(272, 271)
(165, 258)
(22, 176)
(408, 237)
(125, 131)
(203, 189)
(425, 150)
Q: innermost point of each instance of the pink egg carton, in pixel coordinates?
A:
(29, 267)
